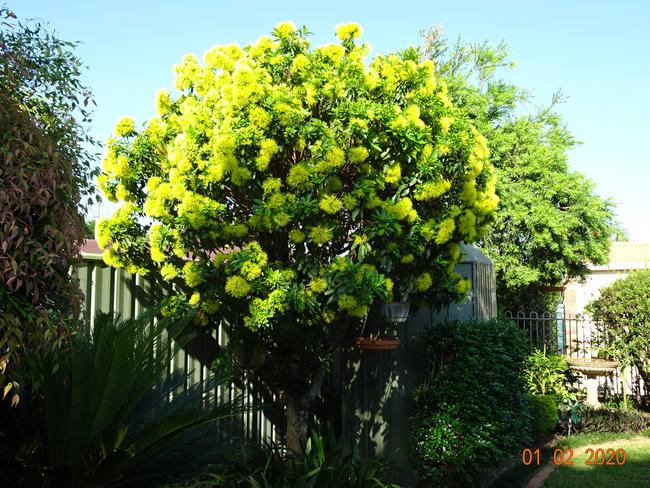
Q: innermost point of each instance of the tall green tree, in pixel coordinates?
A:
(288, 189)
(550, 223)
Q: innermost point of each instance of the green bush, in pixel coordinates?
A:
(46, 171)
(109, 415)
(590, 419)
(472, 412)
(549, 374)
(543, 412)
(622, 315)
(325, 462)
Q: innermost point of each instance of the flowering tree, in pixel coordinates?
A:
(287, 189)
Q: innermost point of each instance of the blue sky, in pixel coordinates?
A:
(595, 51)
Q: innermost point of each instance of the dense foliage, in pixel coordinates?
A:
(44, 173)
(551, 224)
(622, 317)
(43, 74)
(590, 419)
(108, 415)
(549, 374)
(305, 185)
(326, 461)
(472, 411)
(543, 413)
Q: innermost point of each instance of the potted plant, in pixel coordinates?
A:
(394, 313)
(397, 312)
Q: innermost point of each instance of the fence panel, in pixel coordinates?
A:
(107, 290)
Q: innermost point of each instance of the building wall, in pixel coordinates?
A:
(578, 295)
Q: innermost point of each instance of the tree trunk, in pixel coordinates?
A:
(297, 420)
(641, 367)
(297, 411)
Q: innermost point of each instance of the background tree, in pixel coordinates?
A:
(622, 315)
(288, 189)
(43, 73)
(551, 223)
(44, 172)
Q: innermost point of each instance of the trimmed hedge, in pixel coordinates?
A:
(472, 412)
(604, 419)
(543, 410)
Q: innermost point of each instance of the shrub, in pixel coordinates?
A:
(45, 171)
(472, 411)
(622, 313)
(325, 462)
(590, 419)
(549, 374)
(108, 415)
(543, 412)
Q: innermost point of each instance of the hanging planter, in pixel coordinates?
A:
(378, 343)
(397, 312)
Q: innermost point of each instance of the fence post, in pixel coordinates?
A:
(560, 316)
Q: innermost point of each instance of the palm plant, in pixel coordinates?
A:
(108, 414)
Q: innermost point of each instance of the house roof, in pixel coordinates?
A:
(627, 255)
(90, 249)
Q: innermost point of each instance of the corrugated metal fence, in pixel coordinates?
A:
(107, 289)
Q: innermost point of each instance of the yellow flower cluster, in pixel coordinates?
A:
(431, 190)
(297, 236)
(320, 235)
(423, 282)
(358, 154)
(318, 285)
(164, 102)
(445, 231)
(464, 285)
(237, 287)
(467, 225)
(272, 185)
(168, 271)
(193, 274)
(330, 204)
(125, 127)
(403, 210)
(251, 270)
(156, 236)
(268, 148)
(199, 211)
(347, 302)
(285, 30)
(351, 30)
(298, 175)
(103, 232)
(393, 174)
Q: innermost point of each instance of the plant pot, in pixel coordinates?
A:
(397, 312)
(377, 343)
